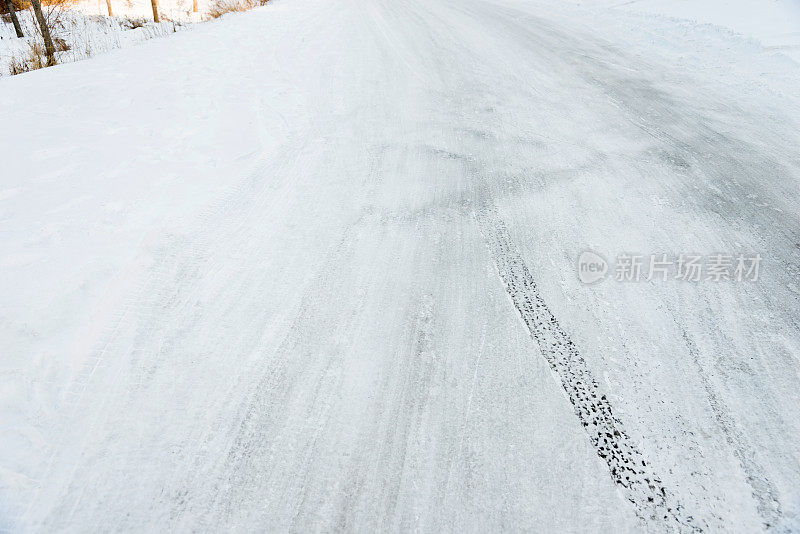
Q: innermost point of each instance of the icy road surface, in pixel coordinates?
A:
(312, 268)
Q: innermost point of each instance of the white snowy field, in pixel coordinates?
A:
(313, 267)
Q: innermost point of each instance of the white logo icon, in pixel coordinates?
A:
(591, 267)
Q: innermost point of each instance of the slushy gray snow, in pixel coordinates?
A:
(315, 268)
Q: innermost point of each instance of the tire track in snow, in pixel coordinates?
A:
(763, 490)
(629, 469)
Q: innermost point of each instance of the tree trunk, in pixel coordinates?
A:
(15, 20)
(154, 3)
(110, 12)
(194, 6)
(48, 41)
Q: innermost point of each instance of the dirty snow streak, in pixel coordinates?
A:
(628, 467)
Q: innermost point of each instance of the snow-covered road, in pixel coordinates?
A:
(313, 267)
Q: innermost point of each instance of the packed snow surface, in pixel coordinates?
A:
(313, 267)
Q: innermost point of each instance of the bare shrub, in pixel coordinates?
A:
(61, 44)
(35, 58)
(220, 7)
(53, 12)
(131, 23)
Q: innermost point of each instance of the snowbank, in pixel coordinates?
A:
(85, 35)
(775, 24)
